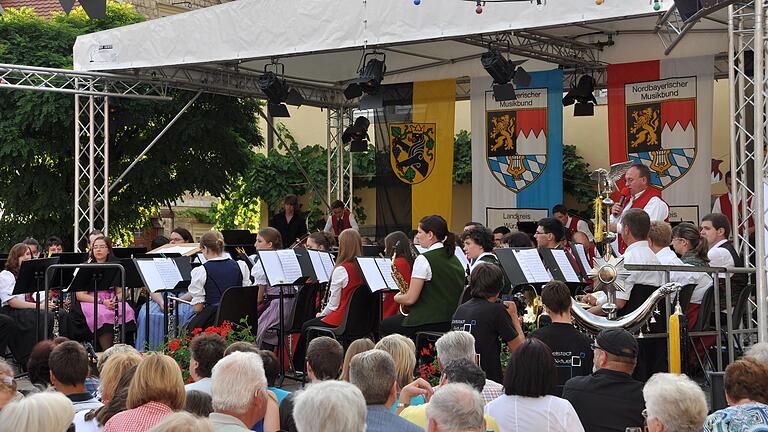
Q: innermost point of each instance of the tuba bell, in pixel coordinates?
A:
(402, 285)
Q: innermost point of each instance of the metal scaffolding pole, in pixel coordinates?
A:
(760, 169)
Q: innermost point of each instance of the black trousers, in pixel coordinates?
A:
(7, 330)
(203, 319)
(394, 324)
(299, 355)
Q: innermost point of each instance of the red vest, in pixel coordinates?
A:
(573, 224)
(640, 203)
(726, 208)
(390, 307)
(340, 224)
(354, 280)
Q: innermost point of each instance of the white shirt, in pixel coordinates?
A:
(477, 261)
(542, 414)
(581, 226)
(639, 253)
(702, 280)
(720, 257)
(7, 283)
(421, 267)
(329, 223)
(83, 425)
(199, 277)
(656, 208)
(204, 385)
(339, 279)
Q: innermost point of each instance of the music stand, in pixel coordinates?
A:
(185, 270)
(372, 250)
(32, 280)
(127, 252)
(98, 277)
(238, 237)
(65, 275)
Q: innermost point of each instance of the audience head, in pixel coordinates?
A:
(486, 281)
(615, 349)
(498, 234)
(181, 235)
(339, 404)
(517, 239)
(324, 358)
(198, 403)
(68, 365)
(463, 371)
(455, 345)
(118, 401)
(157, 379)
(398, 243)
(403, 352)
(114, 369)
(374, 373)
(183, 422)
(8, 385)
(54, 245)
(271, 366)
(674, 403)
(475, 241)
(455, 407)
(205, 350)
(637, 178)
(212, 243)
(46, 411)
(746, 380)
(434, 229)
(269, 238)
(635, 225)
(660, 235)
(320, 240)
(531, 371)
(240, 387)
(687, 239)
(17, 255)
(356, 347)
(549, 233)
(350, 246)
(759, 352)
(241, 346)
(38, 366)
(113, 350)
(556, 297)
(715, 227)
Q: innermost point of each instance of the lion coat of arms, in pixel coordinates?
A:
(412, 150)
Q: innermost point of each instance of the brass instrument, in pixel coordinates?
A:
(399, 280)
(300, 241)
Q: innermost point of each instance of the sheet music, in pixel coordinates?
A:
(168, 271)
(583, 257)
(565, 265)
(273, 269)
(328, 263)
(463, 258)
(176, 249)
(151, 275)
(533, 268)
(290, 262)
(370, 269)
(385, 267)
(317, 265)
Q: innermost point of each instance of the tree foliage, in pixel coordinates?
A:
(207, 150)
(576, 182)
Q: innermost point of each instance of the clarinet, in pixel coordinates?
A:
(115, 333)
(56, 307)
(171, 330)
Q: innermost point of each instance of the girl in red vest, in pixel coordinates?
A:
(399, 244)
(345, 279)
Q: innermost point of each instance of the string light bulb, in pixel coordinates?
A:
(656, 5)
(416, 2)
(597, 2)
(479, 8)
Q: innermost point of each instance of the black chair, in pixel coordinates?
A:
(684, 296)
(360, 319)
(237, 303)
(739, 313)
(704, 327)
(304, 309)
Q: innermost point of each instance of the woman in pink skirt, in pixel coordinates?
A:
(108, 301)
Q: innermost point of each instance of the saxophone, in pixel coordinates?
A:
(399, 280)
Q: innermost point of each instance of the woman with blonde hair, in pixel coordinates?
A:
(155, 392)
(345, 279)
(112, 372)
(356, 347)
(403, 352)
(210, 280)
(47, 411)
(183, 422)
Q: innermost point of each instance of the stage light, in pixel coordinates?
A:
(583, 96)
(370, 77)
(503, 71)
(357, 135)
(277, 91)
(504, 92)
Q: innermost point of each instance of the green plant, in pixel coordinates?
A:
(359, 210)
(206, 216)
(576, 182)
(462, 157)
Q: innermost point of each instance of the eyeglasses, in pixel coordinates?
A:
(99, 247)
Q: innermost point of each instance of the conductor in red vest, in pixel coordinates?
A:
(340, 219)
(640, 195)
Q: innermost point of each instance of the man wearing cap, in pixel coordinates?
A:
(609, 400)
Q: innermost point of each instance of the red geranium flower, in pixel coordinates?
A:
(196, 331)
(174, 345)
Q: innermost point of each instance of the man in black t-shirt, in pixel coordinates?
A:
(570, 348)
(488, 319)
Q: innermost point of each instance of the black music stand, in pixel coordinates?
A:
(133, 281)
(65, 275)
(31, 280)
(372, 250)
(185, 269)
(127, 252)
(238, 237)
(96, 279)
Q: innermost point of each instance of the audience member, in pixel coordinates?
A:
(489, 319)
(46, 411)
(403, 352)
(499, 233)
(241, 346)
(356, 347)
(205, 350)
(111, 375)
(94, 420)
(8, 387)
(609, 399)
(674, 403)
(184, 422)
(114, 349)
(155, 392)
(68, 369)
(458, 371)
(460, 345)
(455, 407)
(374, 373)
(746, 391)
(37, 365)
(324, 358)
(517, 239)
(330, 406)
(528, 386)
(759, 352)
(198, 403)
(570, 348)
(239, 391)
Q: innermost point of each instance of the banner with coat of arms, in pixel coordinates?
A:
(517, 151)
(660, 115)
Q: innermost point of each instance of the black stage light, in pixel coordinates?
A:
(294, 98)
(583, 96)
(277, 109)
(522, 77)
(583, 110)
(498, 67)
(274, 88)
(504, 92)
(370, 77)
(357, 135)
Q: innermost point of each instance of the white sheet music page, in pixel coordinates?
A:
(371, 273)
(327, 263)
(463, 258)
(533, 268)
(385, 267)
(273, 268)
(565, 265)
(151, 275)
(583, 257)
(291, 267)
(317, 265)
(168, 272)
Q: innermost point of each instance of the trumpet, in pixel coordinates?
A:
(399, 280)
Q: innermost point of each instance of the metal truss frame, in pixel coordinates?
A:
(749, 118)
(339, 175)
(672, 28)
